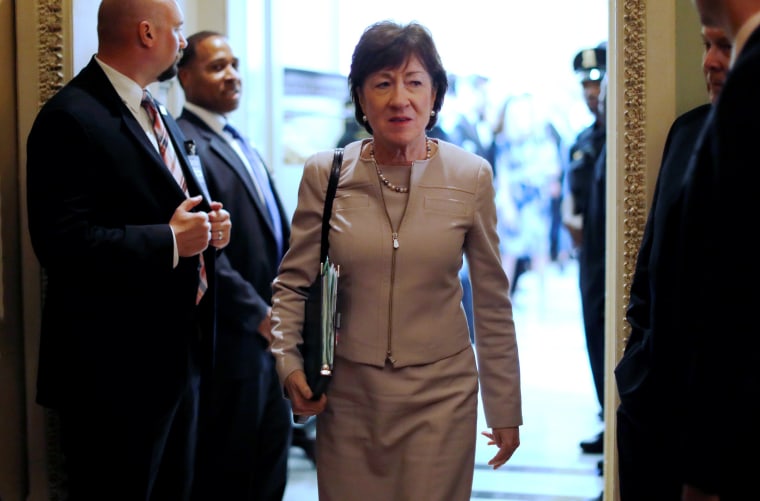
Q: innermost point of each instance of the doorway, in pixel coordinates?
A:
(642, 108)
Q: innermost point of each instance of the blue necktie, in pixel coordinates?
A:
(261, 179)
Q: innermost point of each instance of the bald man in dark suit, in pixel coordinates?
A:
(129, 307)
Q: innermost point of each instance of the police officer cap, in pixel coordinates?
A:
(590, 64)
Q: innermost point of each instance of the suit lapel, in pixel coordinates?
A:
(224, 150)
(231, 160)
(96, 81)
(100, 86)
(139, 134)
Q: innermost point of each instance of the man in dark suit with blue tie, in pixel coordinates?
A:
(245, 420)
(121, 228)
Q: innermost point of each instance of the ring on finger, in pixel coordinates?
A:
(219, 235)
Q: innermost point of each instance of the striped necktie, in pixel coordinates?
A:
(172, 163)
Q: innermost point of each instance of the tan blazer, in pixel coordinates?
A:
(404, 304)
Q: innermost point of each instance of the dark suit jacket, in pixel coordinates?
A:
(119, 322)
(252, 251)
(650, 374)
(647, 378)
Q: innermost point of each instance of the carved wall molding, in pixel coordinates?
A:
(634, 206)
(51, 78)
(51, 47)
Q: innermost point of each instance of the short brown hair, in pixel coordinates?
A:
(387, 44)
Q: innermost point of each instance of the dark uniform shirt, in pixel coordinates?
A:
(587, 183)
(583, 155)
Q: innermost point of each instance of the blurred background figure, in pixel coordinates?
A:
(468, 126)
(472, 129)
(528, 172)
(560, 244)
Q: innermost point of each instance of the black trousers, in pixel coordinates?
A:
(244, 439)
(131, 448)
(646, 471)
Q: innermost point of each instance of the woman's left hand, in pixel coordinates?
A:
(507, 440)
(299, 393)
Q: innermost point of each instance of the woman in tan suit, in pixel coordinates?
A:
(399, 419)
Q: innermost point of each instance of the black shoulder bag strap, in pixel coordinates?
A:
(332, 187)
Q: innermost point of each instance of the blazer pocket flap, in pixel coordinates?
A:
(357, 201)
(446, 205)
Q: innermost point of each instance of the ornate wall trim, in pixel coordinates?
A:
(627, 194)
(634, 207)
(50, 48)
(51, 62)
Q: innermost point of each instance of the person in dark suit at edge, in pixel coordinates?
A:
(245, 426)
(653, 376)
(719, 434)
(119, 224)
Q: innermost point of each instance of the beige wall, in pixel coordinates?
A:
(691, 89)
(12, 446)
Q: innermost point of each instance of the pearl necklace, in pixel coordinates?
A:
(386, 181)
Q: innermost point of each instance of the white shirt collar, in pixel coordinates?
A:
(215, 121)
(131, 95)
(129, 91)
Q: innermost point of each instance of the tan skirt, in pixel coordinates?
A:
(399, 434)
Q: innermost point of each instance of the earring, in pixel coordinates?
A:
(364, 118)
(432, 113)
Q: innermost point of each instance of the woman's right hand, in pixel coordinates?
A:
(300, 394)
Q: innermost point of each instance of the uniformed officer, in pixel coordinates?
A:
(590, 66)
(586, 173)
